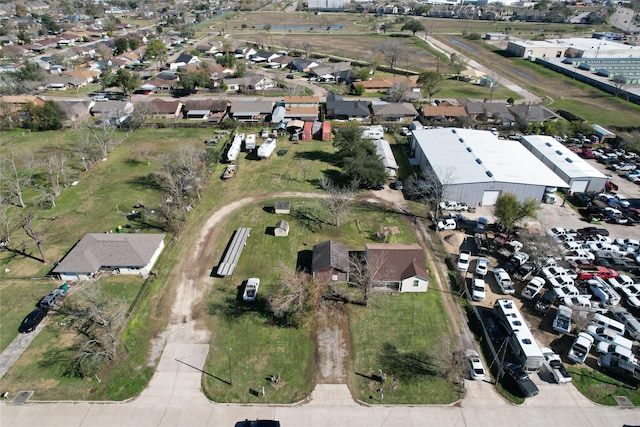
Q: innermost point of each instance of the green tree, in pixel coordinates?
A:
(509, 210)
(134, 43)
(348, 140)
(359, 89)
(48, 24)
(122, 45)
(126, 81)
(157, 50)
(228, 60)
(48, 116)
(29, 71)
(429, 82)
(365, 167)
(192, 80)
(414, 26)
(241, 69)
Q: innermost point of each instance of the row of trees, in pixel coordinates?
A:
(358, 157)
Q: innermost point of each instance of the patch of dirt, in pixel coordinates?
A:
(332, 337)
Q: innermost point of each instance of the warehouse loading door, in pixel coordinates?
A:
(579, 186)
(489, 198)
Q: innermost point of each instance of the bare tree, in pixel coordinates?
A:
(397, 91)
(297, 296)
(306, 47)
(363, 272)
(55, 171)
(339, 201)
(6, 223)
(104, 134)
(391, 51)
(304, 166)
(431, 189)
(26, 223)
(104, 51)
(14, 179)
(98, 319)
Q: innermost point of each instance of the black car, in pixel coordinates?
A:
(258, 423)
(545, 302)
(590, 231)
(32, 320)
(523, 383)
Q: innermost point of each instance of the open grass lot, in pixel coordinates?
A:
(19, 298)
(260, 349)
(406, 336)
(41, 366)
(601, 388)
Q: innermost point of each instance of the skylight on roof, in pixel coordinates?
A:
(489, 174)
(569, 160)
(559, 152)
(469, 149)
(460, 139)
(548, 144)
(479, 161)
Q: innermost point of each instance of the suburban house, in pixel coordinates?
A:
(251, 111)
(386, 84)
(498, 111)
(252, 82)
(127, 253)
(339, 109)
(264, 56)
(76, 110)
(159, 84)
(210, 109)
(182, 60)
(244, 52)
(443, 111)
(393, 111)
(65, 82)
(18, 102)
(169, 109)
(302, 65)
(332, 72)
(89, 76)
(304, 108)
(118, 111)
(531, 113)
(398, 265)
(209, 48)
(282, 61)
(330, 261)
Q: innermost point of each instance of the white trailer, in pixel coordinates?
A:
(234, 149)
(266, 149)
(250, 142)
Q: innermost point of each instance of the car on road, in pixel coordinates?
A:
(478, 289)
(580, 348)
(33, 319)
(464, 259)
(482, 266)
(515, 373)
(476, 368)
(258, 423)
(504, 281)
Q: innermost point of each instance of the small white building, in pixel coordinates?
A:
(383, 150)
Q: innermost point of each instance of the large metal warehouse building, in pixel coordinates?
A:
(475, 166)
(579, 175)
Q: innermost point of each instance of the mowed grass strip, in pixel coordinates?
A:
(600, 388)
(403, 335)
(42, 366)
(258, 348)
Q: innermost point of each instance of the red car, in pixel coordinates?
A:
(601, 272)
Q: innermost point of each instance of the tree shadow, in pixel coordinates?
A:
(233, 308)
(23, 252)
(303, 262)
(134, 162)
(406, 365)
(317, 155)
(146, 182)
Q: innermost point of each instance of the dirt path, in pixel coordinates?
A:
(332, 339)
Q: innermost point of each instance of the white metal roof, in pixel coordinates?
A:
(383, 149)
(462, 156)
(563, 158)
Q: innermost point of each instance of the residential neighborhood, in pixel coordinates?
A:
(319, 213)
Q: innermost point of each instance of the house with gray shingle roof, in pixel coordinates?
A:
(330, 260)
(127, 253)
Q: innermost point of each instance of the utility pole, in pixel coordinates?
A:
(230, 373)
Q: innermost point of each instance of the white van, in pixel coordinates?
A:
(623, 353)
(606, 322)
(618, 342)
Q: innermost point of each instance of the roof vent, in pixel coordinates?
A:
(569, 160)
(559, 152)
(489, 174)
(460, 139)
(453, 130)
(469, 149)
(479, 161)
(548, 144)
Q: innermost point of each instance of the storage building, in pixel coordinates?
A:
(475, 167)
(577, 173)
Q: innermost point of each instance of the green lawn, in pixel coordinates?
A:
(452, 88)
(407, 336)
(601, 388)
(270, 349)
(41, 367)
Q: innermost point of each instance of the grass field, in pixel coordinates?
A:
(601, 388)
(406, 336)
(272, 350)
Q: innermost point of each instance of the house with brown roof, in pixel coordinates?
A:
(330, 261)
(304, 108)
(127, 253)
(384, 85)
(210, 109)
(18, 102)
(443, 111)
(168, 109)
(77, 110)
(398, 265)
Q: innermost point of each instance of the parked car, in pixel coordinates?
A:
(49, 301)
(554, 366)
(464, 260)
(482, 266)
(478, 289)
(588, 231)
(33, 319)
(631, 324)
(562, 321)
(533, 288)
(451, 205)
(504, 281)
(476, 368)
(447, 224)
(515, 373)
(544, 303)
(580, 348)
(251, 289)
